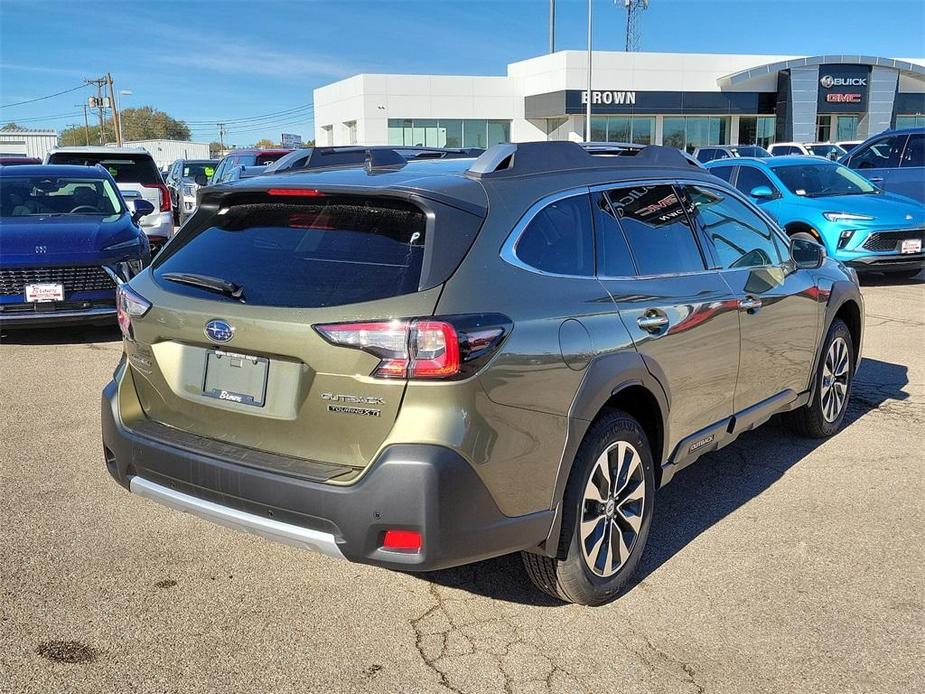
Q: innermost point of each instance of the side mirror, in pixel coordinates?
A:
(762, 193)
(808, 255)
(139, 208)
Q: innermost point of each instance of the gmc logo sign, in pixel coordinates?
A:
(843, 98)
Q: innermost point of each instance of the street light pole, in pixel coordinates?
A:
(588, 109)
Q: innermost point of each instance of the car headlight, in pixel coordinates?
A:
(846, 217)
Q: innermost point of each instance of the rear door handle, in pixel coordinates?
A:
(876, 179)
(749, 303)
(653, 322)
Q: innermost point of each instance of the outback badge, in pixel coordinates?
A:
(218, 330)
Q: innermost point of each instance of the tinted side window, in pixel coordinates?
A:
(750, 178)
(613, 255)
(658, 230)
(559, 239)
(741, 238)
(705, 155)
(914, 155)
(724, 172)
(882, 154)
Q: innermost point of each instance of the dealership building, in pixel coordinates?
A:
(684, 100)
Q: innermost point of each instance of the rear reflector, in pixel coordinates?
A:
(296, 192)
(404, 540)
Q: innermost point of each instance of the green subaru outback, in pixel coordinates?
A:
(420, 365)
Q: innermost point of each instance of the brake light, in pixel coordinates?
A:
(296, 192)
(129, 304)
(428, 349)
(165, 195)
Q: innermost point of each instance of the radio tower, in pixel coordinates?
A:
(634, 9)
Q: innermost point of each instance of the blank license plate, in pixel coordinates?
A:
(41, 293)
(235, 377)
(911, 246)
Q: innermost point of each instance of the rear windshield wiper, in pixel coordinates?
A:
(212, 284)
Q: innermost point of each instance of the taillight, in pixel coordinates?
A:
(129, 305)
(441, 348)
(165, 195)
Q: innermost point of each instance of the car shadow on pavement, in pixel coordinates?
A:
(60, 335)
(700, 495)
(888, 280)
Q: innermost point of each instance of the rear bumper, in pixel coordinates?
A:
(887, 262)
(420, 487)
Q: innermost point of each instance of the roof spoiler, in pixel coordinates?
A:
(525, 158)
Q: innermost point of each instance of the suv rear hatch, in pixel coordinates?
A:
(135, 173)
(250, 362)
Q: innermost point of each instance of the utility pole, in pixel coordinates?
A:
(221, 136)
(86, 125)
(552, 26)
(588, 110)
(99, 104)
(116, 118)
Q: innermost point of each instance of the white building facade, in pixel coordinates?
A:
(166, 152)
(684, 100)
(27, 143)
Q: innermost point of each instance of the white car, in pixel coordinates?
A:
(848, 145)
(136, 175)
(826, 150)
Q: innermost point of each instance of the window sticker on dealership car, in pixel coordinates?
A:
(911, 246)
(238, 378)
(46, 291)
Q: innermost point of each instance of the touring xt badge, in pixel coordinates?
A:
(342, 406)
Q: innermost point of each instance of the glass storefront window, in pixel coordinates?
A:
(757, 130)
(823, 128)
(637, 129)
(846, 128)
(449, 132)
(690, 132)
(910, 121)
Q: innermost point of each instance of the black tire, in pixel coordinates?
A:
(805, 236)
(815, 419)
(570, 578)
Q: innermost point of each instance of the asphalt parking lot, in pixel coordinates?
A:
(775, 565)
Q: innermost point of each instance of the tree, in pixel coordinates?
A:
(215, 149)
(13, 127)
(265, 143)
(145, 123)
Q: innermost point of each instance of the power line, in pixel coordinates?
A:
(275, 114)
(42, 98)
(252, 127)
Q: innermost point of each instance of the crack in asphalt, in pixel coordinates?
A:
(440, 639)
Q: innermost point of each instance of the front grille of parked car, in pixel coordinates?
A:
(53, 307)
(891, 240)
(74, 279)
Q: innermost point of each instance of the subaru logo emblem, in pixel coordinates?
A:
(219, 331)
(41, 250)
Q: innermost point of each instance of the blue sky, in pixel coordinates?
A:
(206, 61)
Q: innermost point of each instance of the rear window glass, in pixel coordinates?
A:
(559, 239)
(264, 159)
(305, 253)
(124, 168)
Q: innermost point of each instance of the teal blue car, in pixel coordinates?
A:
(858, 223)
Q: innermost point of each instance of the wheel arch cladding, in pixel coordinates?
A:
(798, 226)
(850, 313)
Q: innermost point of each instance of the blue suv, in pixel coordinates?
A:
(894, 161)
(811, 198)
(67, 239)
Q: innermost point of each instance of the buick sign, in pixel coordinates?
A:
(219, 331)
(828, 81)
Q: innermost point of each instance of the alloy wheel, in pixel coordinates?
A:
(835, 377)
(612, 508)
